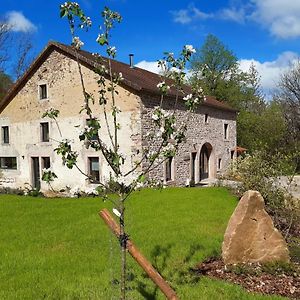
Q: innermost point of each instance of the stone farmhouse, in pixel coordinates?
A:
(28, 140)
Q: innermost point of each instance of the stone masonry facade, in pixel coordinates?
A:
(204, 126)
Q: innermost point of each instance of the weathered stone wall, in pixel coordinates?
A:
(23, 115)
(198, 133)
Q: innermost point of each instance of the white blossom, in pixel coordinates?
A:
(77, 43)
(155, 117)
(175, 70)
(190, 49)
(112, 50)
(166, 114)
(88, 21)
(188, 97)
(161, 84)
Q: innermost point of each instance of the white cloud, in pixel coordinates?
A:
(281, 17)
(233, 14)
(191, 13)
(19, 23)
(151, 66)
(270, 71)
(182, 16)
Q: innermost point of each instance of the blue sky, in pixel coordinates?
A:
(265, 32)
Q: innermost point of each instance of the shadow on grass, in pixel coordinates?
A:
(160, 256)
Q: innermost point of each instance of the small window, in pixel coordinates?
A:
(94, 173)
(46, 162)
(43, 91)
(219, 163)
(225, 131)
(45, 132)
(5, 134)
(9, 163)
(169, 169)
(206, 118)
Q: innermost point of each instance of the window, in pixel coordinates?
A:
(5, 134)
(45, 162)
(45, 132)
(219, 163)
(43, 91)
(206, 118)
(8, 163)
(225, 131)
(169, 169)
(94, 173)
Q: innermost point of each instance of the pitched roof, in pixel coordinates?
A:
(135, 78)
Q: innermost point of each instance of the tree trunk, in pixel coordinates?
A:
(123, 241)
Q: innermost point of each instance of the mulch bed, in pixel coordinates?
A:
(260, 281)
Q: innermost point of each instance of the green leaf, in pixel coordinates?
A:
(141, 178)
(63, 12)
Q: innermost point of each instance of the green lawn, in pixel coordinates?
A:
(61, 249)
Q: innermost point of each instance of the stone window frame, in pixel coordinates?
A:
(44, 135)
(219, 163)
(206, 118)
(5, 135)
(89, 171)
(225, 131)
(39, 87)
(172, 169)
(15, 163)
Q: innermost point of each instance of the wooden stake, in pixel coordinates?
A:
(142, 261)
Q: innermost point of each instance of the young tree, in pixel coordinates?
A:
(167, 135)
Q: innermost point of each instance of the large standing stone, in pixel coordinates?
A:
(251, 236)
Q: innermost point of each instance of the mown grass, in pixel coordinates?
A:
(61, 249)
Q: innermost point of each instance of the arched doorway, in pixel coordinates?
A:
(204, 161)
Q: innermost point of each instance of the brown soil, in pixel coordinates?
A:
(253, 278)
